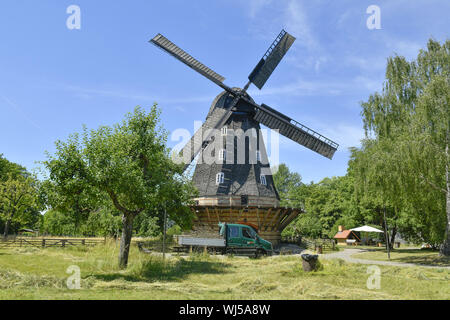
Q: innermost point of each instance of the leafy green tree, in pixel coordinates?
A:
(374, 195)
(75, 201)
(147, 224)
(287, 183)
(407, 126)
(331, 200)
(18, 201)
(10, 168)
(325, 204)
(57, 223)
(102, 222)
(130, 164)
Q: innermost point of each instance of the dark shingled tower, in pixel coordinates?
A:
(240, 179)
(237, 185)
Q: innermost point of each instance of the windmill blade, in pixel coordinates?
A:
(165, 44)
(271, 59)
(295, 131)
(199, 141)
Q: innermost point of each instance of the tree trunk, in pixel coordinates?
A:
(125, 240)
(5, 233)
(445, 248)
(394, 232)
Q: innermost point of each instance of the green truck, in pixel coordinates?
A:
(235, 239)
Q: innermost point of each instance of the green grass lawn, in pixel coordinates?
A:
(29, 273)
(407, 255)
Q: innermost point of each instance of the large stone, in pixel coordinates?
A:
(309, 262)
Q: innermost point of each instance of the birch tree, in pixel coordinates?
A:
(408, 126)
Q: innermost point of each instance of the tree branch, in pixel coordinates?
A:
(119, 207)
(434, 186)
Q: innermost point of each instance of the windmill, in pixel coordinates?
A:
(238, 187)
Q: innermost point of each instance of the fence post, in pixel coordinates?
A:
(63, 243)
(43, 243)
(83, 242)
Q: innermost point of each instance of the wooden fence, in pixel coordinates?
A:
(292, 239)
(48, 242)
(310, 243)
(324, 243)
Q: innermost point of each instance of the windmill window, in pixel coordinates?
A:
(223, 155)
(263, 180)
(224, 131)
(258, 155)
(220, 178)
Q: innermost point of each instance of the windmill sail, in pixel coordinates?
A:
(271, 59)
(216, 120)
(165, 44)
(295, 131)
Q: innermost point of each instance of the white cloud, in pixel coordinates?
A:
(297, 23)
(18, 109)
(88, 93)
(408, 49)
(345, 135)
(366, 64)
(370, 83)
(255, 6)
(322, 87)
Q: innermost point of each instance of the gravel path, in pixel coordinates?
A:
(346, 255)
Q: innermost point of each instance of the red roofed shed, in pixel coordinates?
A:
(343, 235)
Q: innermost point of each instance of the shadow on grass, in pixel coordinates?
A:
(420, 257)
(156, 270)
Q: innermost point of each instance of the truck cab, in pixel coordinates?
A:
(240, 237)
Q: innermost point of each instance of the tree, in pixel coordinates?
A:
(325, 204)
(10, 168)
(286, 182)
(129, 164)
(57, 223)
(103, 222)
(18, 200)
(407, 128)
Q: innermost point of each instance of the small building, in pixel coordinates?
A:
(345, 237)
(23, 232)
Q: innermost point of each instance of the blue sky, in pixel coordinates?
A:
(53, 80)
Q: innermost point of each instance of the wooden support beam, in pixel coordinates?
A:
(257, 217)
(209, 218)
(266, 215)
(273, 219)
(288, 220)
(217, 214)
(284, 214)
(240, 215)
